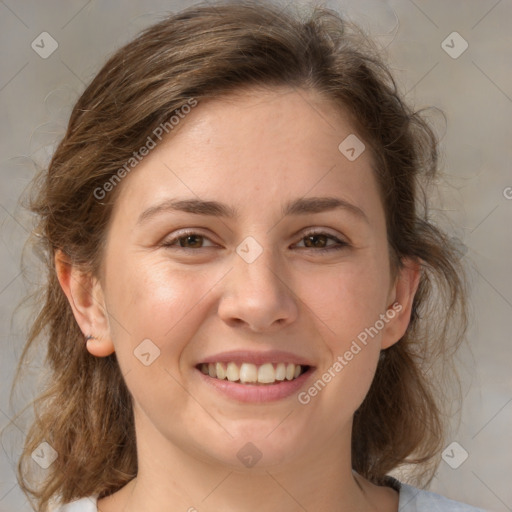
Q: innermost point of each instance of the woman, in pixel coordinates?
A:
(245, 297)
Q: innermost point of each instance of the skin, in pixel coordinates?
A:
(254, 151)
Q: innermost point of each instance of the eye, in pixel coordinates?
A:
(188, 237)
(316, 239)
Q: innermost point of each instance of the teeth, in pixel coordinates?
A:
(250, 373)
(290, 370)
(266, 373)
(220, 370)
(232, 373)
(280, 371)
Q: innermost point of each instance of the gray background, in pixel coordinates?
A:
(475, 92)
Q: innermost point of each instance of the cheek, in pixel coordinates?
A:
(155, 312)
(347, 304)
(348, 299)
(344, 385)
(158, 301)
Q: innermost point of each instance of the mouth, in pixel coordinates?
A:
(247, 376)
(266, 374)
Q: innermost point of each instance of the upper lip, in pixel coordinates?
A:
(246, 356)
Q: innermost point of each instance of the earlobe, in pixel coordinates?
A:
(85, 297)
(401, 301)
(98, 347)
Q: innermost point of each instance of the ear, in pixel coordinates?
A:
(85, 296)
(400, 302)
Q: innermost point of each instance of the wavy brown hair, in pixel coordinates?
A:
(205, 52)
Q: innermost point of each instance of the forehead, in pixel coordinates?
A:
(251, 148)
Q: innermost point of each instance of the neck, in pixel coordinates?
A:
(173, 478)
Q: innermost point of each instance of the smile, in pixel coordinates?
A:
(249, 373)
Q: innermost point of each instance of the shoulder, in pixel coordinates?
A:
(88, 504)
(412, 499)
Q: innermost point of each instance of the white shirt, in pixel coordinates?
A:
(411, 499)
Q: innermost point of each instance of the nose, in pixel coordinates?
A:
(258, 295)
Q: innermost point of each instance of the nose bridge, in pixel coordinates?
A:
(257, 293)
(257, 265)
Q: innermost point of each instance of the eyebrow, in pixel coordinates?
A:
(301, 206)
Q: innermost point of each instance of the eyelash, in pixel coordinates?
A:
(341, 244)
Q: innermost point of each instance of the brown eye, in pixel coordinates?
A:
(319, 241)
(187, 240)
(193, 240)
(316, 240)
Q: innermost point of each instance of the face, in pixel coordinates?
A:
(184, 288)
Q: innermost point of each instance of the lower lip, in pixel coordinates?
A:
(257, 392)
